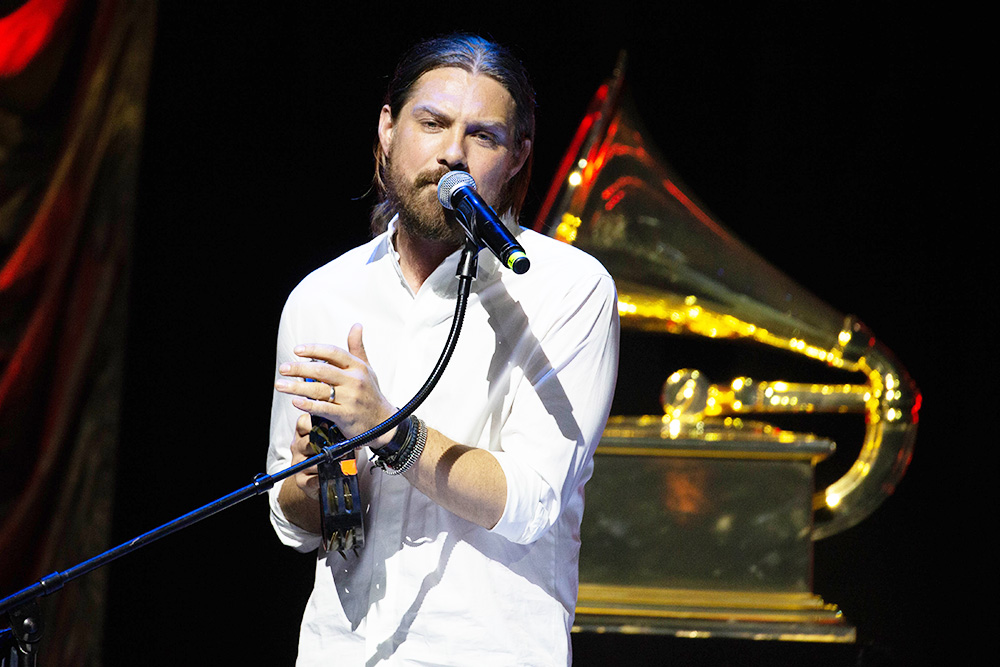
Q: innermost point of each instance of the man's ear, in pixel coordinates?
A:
(519, 158)
(385, 128)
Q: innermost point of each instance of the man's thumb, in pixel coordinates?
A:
(354, 343)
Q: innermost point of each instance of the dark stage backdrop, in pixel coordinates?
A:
(73, 78)
(806, 129)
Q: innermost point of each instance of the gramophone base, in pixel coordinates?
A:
(731, 615)
(703, 531)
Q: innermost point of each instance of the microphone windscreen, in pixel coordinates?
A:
(451, 182)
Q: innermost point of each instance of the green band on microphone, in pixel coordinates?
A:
(515, 257)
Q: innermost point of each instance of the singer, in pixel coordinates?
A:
(472, 517)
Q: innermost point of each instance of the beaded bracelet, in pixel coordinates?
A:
(404, 449)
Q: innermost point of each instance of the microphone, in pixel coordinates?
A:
(457, 192)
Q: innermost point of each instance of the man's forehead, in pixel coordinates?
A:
(454, 89)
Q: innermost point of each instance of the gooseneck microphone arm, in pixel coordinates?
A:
(21, 607)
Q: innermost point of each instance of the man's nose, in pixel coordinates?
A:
(452, 151)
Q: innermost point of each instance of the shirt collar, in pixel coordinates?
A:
(442, 279)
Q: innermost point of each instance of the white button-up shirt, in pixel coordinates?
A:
(531, 381)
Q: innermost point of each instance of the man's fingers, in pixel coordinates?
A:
(319, 394)
(337, 356)
(354, 343)
(304, 425)
(308, 370)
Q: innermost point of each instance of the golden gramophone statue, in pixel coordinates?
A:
(700, 520)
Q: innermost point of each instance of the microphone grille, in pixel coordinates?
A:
(451, 182)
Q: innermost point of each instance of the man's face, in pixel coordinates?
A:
(453, 120)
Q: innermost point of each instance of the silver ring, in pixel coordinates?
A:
(333, 394)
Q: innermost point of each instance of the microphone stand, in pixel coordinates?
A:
(22, 607)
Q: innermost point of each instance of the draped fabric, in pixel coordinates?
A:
(73, 78)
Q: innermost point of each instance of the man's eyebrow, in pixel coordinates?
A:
(498, 127)
(428, 109)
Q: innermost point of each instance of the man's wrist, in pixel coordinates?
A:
(397, 440)
(405, 447)
(298, 507)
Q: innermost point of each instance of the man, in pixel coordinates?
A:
(471, 553)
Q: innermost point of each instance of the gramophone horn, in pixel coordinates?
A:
(680, 271)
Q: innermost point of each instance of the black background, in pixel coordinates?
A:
(809, 129)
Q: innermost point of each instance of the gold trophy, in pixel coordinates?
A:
(700, 520)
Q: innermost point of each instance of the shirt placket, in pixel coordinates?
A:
(423, 328)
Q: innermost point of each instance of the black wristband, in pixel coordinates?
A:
(398, 440)
(404, 449)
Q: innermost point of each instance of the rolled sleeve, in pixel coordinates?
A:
(547, 445)
(279, 456)
(278, 459)
(530, 504)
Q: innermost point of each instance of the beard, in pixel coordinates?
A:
(416, 203)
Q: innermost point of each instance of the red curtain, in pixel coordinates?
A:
(73, 78)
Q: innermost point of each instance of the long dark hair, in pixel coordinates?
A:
(476, 56)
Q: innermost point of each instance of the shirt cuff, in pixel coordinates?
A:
(531, 505)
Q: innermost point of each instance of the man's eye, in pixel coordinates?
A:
(487, 139)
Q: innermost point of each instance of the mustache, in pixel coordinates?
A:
(429, 177)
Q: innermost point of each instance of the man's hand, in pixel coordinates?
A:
(464, 480)
(308, 480)
(344, 389)
(299, 495)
